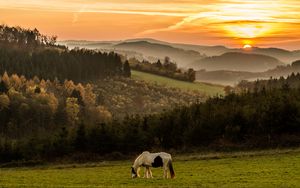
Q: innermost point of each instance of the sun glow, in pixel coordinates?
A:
(265, 22)
(248, 30)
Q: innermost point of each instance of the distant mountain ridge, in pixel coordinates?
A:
(181, 56)
(237, 61)
(189, 55)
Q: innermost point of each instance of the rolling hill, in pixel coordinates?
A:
(235, 61)
(160, 51)
(225, 77)
(283, 55)
(207, 89)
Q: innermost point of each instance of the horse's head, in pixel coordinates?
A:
(133, 173)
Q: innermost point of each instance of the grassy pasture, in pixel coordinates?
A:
(264, 169)
(209, 89)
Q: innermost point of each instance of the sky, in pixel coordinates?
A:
(233, 23)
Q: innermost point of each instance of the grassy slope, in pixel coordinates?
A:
(210, 90)
(263, 170)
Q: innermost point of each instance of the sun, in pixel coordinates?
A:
(247, 46)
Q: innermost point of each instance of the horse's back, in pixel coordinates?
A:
(147, 156)
(146, 152)
(165, 155)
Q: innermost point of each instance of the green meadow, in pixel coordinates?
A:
(262, 169)
(208, 89)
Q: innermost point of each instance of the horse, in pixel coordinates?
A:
(155, 160)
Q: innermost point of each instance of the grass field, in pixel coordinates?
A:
(271, 169)
(209, 89)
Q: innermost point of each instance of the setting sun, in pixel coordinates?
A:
(247, 46)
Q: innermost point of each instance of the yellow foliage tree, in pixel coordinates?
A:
(72, 109)
(89, 96)
(4, 101)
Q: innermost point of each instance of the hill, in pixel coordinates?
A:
(160, 51)
(225, 77)
(88, 44)
(148, 94)
(281, 54)
(207, 89)
(238, 62)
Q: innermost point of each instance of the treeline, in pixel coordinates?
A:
(267, 118)
(28, 53)
(291, 81)
(25, 37)
(166, 68)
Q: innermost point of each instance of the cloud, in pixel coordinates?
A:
(248, 18)
(77, 14)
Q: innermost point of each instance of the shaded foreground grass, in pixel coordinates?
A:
(262, 170)
(208, 89)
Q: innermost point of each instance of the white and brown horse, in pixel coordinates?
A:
(148, 160)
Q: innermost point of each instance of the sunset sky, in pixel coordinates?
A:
(233, 23)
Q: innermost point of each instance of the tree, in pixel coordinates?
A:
(127, 69)
(4, 102)
(191, 75)
(3, 87)
(37, 90)
(72, 109)
(172, 67)
(158, 64)
(80, 138)
(89, 96)
(228, 90)
(5, 79)
(76, 94)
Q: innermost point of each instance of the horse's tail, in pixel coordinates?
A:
(171, 169)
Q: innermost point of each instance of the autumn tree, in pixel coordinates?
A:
(72, 110)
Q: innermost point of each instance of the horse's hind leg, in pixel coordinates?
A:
(165, 173)
(165, 169)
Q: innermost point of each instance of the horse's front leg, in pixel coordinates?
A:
(147, 172)
(138, 172)
(150, 173)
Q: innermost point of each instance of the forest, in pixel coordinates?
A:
(29, 53)
(57, 103)
(259, 119)
(291, 81)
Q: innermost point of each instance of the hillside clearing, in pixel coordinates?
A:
(210, 90)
